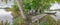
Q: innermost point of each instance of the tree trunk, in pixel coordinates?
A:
(37, 22)
(27, 18)
(39, 8)
(20, 8)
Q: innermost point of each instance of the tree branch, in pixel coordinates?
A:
(20, 8)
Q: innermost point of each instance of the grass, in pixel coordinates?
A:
(18, 21)
(46, 20)
(4, 23)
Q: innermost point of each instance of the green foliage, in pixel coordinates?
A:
(44, 23)
(8, 9)
(15, 8)
(58, 1)
(35, 4)
(18, 21)
(34, 23)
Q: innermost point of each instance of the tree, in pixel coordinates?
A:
(22, 13)
(20, 8)
(33, 4)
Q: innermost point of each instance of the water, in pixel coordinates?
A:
(9, 3)
(57, 17)
(6, 16)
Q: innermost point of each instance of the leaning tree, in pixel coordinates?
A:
(38, 5)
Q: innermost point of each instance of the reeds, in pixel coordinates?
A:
(4, 23)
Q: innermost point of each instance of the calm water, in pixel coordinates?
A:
(6, 16)
(57, 16)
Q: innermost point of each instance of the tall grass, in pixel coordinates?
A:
(2, 23)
